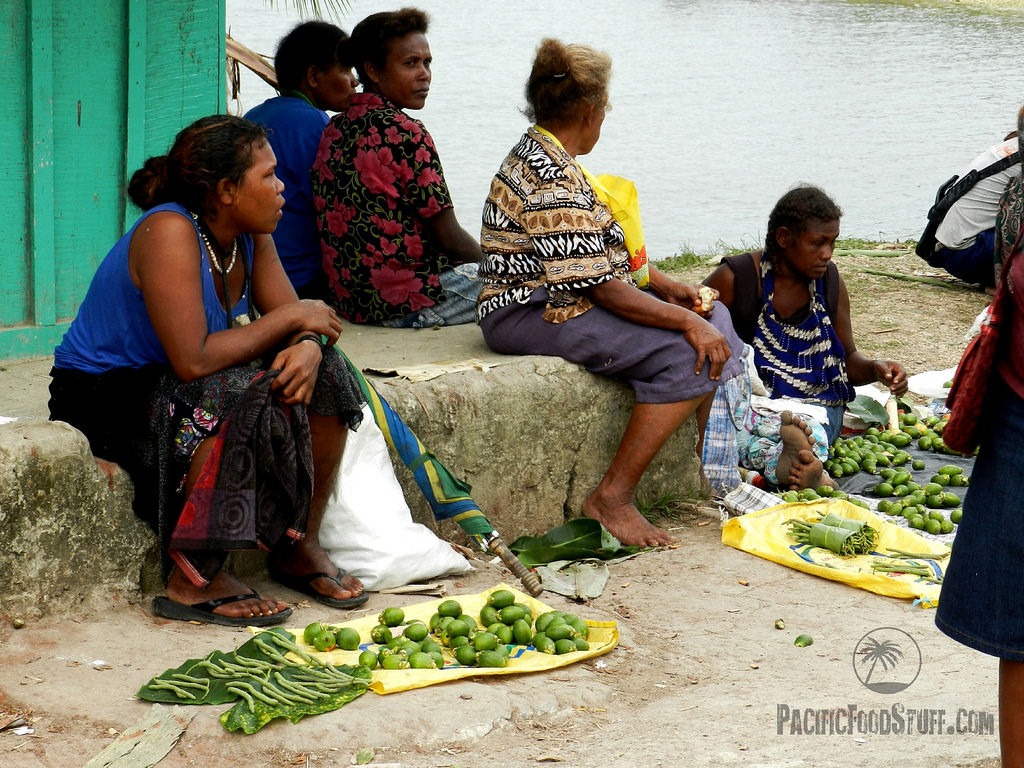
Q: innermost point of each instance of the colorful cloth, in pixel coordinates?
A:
(150, 422)
(760, 445)
(720, 456)
(186, 413)
(737, 436)
(544, 226)
(1009, 221)
(376, 179)
(804, 360)
(255, 485)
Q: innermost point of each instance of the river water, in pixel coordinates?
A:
(719, 106)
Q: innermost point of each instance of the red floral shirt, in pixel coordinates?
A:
(376, 178)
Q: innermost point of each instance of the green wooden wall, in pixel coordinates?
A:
(89, 89)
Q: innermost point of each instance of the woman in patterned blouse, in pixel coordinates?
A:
(557, 282)
(393, 250)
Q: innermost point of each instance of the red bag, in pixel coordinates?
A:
(977, 367)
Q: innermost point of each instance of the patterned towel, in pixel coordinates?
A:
(747, 498)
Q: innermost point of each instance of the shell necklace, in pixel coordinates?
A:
(222, 271)
(214, 261)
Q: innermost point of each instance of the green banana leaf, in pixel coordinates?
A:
(868, 410)
(578, 539)
(206, 688)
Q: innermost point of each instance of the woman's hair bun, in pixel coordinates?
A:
(552, 59)
(210, 149)
(148, 186)
(564, 80)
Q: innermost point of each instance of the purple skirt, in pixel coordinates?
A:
(657, 363)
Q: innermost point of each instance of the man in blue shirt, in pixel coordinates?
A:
(312, 76)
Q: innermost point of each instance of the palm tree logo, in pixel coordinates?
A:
(887, 660)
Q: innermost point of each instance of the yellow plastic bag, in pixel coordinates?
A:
(621, 197)
(603, 636)
(766, 535)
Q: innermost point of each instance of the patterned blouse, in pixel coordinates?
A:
(376, 178)
(544, 226)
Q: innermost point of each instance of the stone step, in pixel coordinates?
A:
(531, 435)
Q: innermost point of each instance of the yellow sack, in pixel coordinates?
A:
(766, 535)
(621, 197)
(603, 636)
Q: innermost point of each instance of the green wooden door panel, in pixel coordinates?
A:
(89, 98)
(89, 89)
(14, 229)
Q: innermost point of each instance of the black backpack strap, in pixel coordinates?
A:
(951, 191)
(832, 290)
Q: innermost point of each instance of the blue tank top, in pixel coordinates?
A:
(112, 329)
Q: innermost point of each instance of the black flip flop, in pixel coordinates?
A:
(164, 606)
(304, 583)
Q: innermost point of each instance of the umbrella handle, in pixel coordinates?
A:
(525, 575)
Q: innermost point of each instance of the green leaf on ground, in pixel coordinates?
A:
(206, 680)
(578, 539)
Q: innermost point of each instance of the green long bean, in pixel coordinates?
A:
(232, 688)
(167, 685)
(297, 688)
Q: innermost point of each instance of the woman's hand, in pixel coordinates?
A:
(891, 375)
(710, 345)
(681, 294)
(314, 316)
(298, 364)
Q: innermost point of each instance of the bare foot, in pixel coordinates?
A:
(624, 521)
(796, 437)
(181, 590)
(806, 472)
(301, 557)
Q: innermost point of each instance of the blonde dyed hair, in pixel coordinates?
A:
(565, 80)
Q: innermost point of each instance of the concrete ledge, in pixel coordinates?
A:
(70, 537)
(532, 435)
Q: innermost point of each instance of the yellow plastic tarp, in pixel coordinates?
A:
(766, 535)
(603, 636)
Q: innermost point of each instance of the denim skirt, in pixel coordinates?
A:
(981, 602)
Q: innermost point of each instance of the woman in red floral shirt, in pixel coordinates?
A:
(393, 250)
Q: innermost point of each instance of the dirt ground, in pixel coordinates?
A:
(701, 677)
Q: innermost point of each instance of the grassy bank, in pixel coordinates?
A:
(1008, 5)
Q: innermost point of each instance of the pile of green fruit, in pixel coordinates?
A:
(922, 505)
(502, 623)
(824, 492)
(877, 449)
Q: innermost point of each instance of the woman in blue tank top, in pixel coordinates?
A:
(194, 366)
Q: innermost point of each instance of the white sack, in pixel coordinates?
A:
(367, 528)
